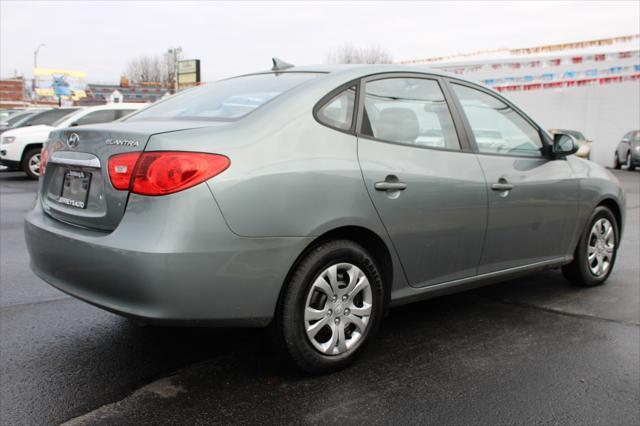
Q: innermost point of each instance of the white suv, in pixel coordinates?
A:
(20, 148)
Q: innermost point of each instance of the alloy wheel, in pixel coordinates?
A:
(601, 247)
(34, 164)
(338, 309)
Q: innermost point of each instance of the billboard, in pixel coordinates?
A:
(59, 84)
(188, 73)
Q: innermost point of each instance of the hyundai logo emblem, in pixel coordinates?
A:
(73, 140)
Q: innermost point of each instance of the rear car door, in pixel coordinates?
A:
(533, 200)
(427, 188)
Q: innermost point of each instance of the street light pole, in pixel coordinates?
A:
(35, 65)
(175, 52)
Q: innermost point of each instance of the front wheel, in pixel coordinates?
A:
(332, 307)
(31, 163)
(630, 166)
(595, 254)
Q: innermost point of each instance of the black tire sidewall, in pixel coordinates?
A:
(585, 275)
(291, 315)
(25, 162)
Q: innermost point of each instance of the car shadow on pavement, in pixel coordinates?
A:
(455, 359)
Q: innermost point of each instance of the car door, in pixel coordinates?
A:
(533, 199)
(427, 187)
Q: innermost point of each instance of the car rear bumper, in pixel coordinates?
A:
(188, 269)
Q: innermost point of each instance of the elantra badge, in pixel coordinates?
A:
(122, 142)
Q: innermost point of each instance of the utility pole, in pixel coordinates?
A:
(175, 53)
(35, 65)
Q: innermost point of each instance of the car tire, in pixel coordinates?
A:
(310, 307)
(30, 159)
(592, 250)
(630, 166)
(616, 162)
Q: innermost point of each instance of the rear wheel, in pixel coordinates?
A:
(31, 163)
(629, 165)
(616, 161)
(332, 307)
(596, 252)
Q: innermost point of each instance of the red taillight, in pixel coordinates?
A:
(163, 172)
(44, 157)
(121, 169)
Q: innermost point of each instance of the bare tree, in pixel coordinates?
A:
(349, 54)
(155, 69)
(145, 69)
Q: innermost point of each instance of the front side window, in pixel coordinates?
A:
(103, 116)
(338, 111)
(497, 128)
(411, 111)
(224, 100)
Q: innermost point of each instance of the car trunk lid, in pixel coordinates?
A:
(76, 187)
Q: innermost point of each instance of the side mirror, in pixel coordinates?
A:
(564, 145)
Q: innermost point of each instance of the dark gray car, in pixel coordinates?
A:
(313, 199)
(628, 151)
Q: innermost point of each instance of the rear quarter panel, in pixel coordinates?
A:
(290, 176)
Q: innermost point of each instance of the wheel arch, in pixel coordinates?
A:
(369, 239)
(613, 205)
(29, 147)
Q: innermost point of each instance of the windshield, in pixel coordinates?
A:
(17, 118)
(224, 100)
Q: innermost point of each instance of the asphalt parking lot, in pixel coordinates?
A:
(534, 350)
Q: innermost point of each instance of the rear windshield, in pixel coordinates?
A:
(50, 117)
(223, 100)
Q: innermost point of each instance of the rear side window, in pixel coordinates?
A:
(338, 111)
(123, 112)
(411, 111)
(49, 117)
(102, 116)
(224, 100)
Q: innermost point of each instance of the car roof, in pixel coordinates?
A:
(361, 70)
(119, 105)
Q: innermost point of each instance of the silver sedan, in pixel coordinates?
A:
(312, 199)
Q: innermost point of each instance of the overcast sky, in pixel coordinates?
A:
(231, 38)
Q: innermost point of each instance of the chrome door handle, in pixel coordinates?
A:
(390, 186)
(502, 186)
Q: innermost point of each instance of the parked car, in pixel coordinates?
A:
(584, 144)
(20, 119)
(302, 198)
(628, 149)
(20, 148)
(7, 113)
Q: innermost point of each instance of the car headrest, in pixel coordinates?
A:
(397, 124)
